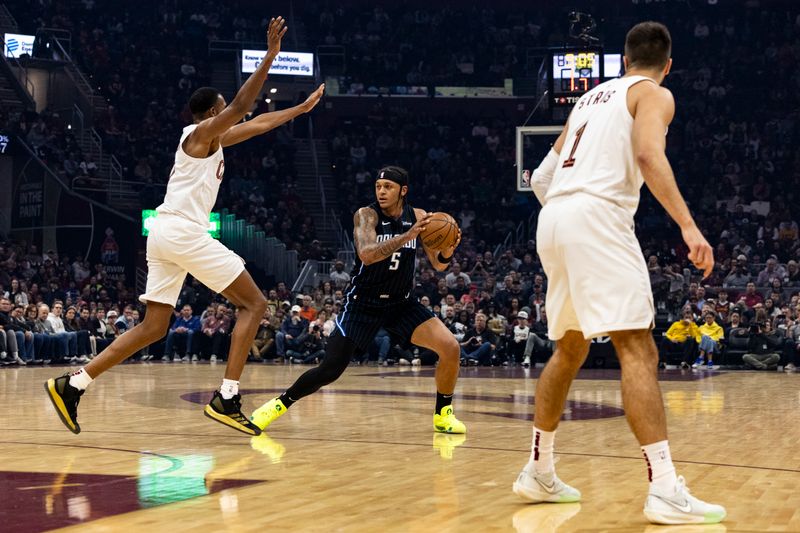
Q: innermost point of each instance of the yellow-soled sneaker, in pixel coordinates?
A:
(229, 412)
(271, 448)
(65, 399)
(446, 422)
(445, 444)
(267, 413)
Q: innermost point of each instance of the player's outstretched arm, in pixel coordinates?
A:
(269, 121)
(369, 250)
(433, 255)
(241, 104)
(653, 109)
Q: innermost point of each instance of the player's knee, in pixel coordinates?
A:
(449, 349)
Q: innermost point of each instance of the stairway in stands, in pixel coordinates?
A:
(308, 187)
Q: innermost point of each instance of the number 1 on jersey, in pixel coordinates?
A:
(570, 161)
(394, 264)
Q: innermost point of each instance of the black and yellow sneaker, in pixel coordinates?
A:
(65, 399)
(229, 412)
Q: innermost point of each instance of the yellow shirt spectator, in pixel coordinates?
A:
(682, 330)
(712, 330)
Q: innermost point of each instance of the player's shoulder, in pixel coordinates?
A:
(652, 95)
(365, 214)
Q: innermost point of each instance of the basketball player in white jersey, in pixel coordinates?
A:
(613, 142)
(179, 243)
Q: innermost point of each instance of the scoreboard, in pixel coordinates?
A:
(573, 72)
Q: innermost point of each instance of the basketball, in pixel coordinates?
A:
(441, 232)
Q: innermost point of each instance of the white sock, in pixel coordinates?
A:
(229, 388)
(660, 469)
(541, 461)
(80, 379)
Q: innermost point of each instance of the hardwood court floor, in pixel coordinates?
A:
(361, 456)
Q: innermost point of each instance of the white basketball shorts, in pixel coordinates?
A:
(177, 246)
(597, 280)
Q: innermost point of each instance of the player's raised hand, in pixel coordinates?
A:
(313, 99)
(700, 252)
(275, 32)
(419, 226)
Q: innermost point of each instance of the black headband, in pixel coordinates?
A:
(395, 174)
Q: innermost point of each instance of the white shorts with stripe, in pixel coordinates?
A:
(597, 277)
(177, 246)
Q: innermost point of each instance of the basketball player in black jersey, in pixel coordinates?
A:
(379, 295)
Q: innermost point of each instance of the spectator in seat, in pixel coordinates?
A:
(265, 337)
(311, 350)
(184, 329)
(722, 307)
(763, 345)
(538, 340)
(42, 344)
(792, 278)
(738, 275)
(751, 297)
(27, 348)
(15, 338)
(71, 325)
(519, 339)
(70, 337)
(479, 343)
(214, 329)
(59, 344)
(680, 335)
(338, 276)
(292, 332)
(734, 323)
(307, 311)
(126, 321)
(103, 333)
(708, 340)
(772, 270)
(454, 274)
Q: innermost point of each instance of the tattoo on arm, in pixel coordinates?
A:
(369, 250)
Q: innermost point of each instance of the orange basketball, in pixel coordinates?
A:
(441, 232)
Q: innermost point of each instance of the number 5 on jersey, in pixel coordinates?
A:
(394, 263)
(570, 161)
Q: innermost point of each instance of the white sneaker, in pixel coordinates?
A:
(527, 361)
(537, 489)
(186, 358)
(83, 359)
(176, 358)
(194, 358)
(404, 362)
(213, 358)
(681, 508)
(416, 361)
(19, 360)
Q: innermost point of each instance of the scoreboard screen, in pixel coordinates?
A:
(574, 72)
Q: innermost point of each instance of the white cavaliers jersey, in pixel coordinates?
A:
(597, 156)
(193, 184)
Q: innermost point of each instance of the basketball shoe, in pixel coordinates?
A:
(229, 412)
(267, 413)
(446, 422)
(539, 488)
(65, 399)
(680, 507)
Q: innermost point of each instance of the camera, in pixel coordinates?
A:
(315, 328)
(755, 327)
